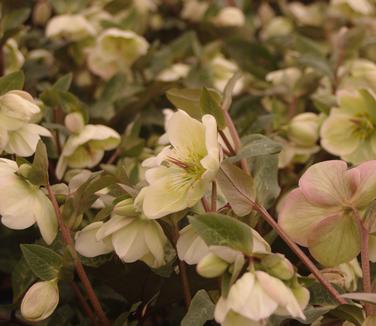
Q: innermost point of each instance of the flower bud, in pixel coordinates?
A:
(211, 266)
(230, 17)
(40, 300)
(125, 208)
(24, 170)
(277, 265)
(304, 129)
(74, 122)
(41, 13)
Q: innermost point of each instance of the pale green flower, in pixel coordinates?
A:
(132, 236)
(18, 133)
(40, 301)
(277, 27)
(307, 14)
(175, 72)
(350, 130)
(194, 10)
(353, 8)
(69, 27)
(303, 129)
(358, 73)
(24, 204)
(116, 50)
(86, 148)
(185, 169)
(286, 79)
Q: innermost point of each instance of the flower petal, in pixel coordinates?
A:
(298, 216)
(45, 217)
(335, 240)
(190, 246)
(366, 190)
(327, 183)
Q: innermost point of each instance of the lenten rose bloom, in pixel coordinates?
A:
(355, 140)
(23, 204)
(19, 134)
(132, 236)
(319, 213)
(86, 148)
(184, 170)
(116, 50)
(255, 297)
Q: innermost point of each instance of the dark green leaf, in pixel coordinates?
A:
(200, 310)
(210, 104)
(223, 230)
(22, 278)
(63, 83)
(12, 81)
(39, 169)
(44, 262)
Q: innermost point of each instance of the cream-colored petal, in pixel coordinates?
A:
(190, 246)
(45, 217)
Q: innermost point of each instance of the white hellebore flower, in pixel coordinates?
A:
(40, 301)
(256, 296)
(18, 133)
(175, 72)
(116, 51)
(70, 27)
(129, 233)
(230, 17)
(86, 148)
(23, 204)
(185, 169)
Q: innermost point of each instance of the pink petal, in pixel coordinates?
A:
(366, 190)
(327, 183)
(298, 217)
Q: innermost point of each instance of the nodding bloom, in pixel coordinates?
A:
(23, 204)
(320, 213)
(86, 146)
(19, 134)
(132, 236)
(255, 296)
(184, 170)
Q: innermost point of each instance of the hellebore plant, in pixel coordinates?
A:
(185, 169)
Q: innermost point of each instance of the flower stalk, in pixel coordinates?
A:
(77, 262)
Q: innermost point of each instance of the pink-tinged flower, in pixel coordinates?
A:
(320, 213)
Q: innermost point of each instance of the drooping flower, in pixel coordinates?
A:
(355, 141)
(353, 8)
(13, 57)
(40, 301)
(194, 10)
(24, 204)
(319, 214)
(86, 147)
(175, 72)
(18, 132)
(185, 169)
(229, 17)
(69, 27)
(132, 236)
(255, 297)
(116, 50)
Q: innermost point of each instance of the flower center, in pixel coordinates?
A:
(363, 127)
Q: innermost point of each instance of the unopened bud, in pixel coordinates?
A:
(24, 170)
(279, 266)
(40, 300)
(74, 122)
(41, 13)
(304, 129)
(211, 266)
(125, 208)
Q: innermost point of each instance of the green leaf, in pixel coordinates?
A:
(188, 100)
(22, 278)
(256, 145)
(237, 187)
(13, 19)
(319, 63)
(361, 296)
(200, 310)
(210, 104)
(39, 169)
(222, 230)
(351, 313)
(326, 240)
(264, 169)
(12, 81)
(44, 262)
(63, 83)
